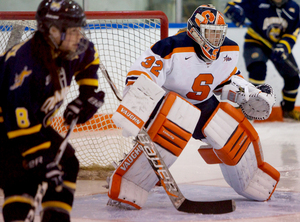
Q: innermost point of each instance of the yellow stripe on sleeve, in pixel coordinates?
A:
(88, 82)
(287, 45)
(24, 132)
(95, 62)
(290, 36)
(42, 146)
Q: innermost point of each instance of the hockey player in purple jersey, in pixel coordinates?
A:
(272, 34)
(35, 76)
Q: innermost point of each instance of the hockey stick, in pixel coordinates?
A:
(170, 186)
(42, 188)
(110, 82)
(166, 178)
(295, 68)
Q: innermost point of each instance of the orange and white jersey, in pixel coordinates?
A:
(174, 63)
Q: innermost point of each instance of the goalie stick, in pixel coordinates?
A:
(110, 82)
(42, 188)
(166, 178)
(170, 186)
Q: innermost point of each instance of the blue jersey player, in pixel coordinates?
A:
(272, 33)
(35, 76)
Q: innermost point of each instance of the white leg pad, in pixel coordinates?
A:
(235, 146)
(247, 179)
(132, 193)
(170, 130)
(137, 105)
(134, 178)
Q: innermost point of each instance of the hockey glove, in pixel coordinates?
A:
(236, 14)
(54, 175)
(280, 53)
(83, 107)
(50, 173)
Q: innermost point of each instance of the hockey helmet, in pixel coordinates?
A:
(278, 3)
(207, 27)
(60, 13)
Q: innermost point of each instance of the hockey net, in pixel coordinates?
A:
(120, 38)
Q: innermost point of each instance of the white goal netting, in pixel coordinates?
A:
(120, 38)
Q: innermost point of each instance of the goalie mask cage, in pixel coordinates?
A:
(120, 38)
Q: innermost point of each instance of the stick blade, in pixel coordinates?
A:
(208, 207)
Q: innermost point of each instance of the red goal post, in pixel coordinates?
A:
(120, 37)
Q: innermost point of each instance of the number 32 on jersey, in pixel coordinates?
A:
(200, 86)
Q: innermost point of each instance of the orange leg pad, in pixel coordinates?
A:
(271, 171)
(235, 148)
(230, 134)
(209, 156)
(174, 123)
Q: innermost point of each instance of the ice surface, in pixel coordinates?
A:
(159, 208)
(200, 181)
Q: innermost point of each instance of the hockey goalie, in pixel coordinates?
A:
(171, 92)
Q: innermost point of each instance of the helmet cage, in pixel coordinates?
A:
(209, 35)
(82, 46)
(214, 35)
(278, 4)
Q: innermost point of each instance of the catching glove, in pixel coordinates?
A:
(236, 14)
(255, 102)
(280, 53)
(84, 107)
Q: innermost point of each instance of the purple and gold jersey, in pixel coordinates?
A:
(29, 99)
(270, 25)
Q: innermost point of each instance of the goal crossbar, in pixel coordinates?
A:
(29, 15)
(120, 37)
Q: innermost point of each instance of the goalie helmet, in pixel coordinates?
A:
(278, 3)
(207, 27)
(62, 14)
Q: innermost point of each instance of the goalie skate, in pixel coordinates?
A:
(120, 205)
(115, 165)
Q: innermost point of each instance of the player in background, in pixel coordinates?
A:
(35, 78)
(272, 34)
(193, 67)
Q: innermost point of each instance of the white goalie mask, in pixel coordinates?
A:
(207, 27)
